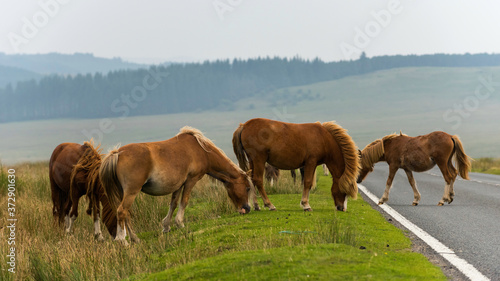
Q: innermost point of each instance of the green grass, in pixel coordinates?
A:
(486, 165)
(217, 243)
(289, 244)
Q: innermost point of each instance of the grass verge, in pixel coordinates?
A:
(217, 243)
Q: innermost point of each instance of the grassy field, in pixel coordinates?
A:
(486, 165)
(217, 243)
(414, 100)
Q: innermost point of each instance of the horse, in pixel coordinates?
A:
(272, 174)
(290, 146)
(73, 173)
(417, 154)
(172, 166)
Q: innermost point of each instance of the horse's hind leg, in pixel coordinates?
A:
(71, 217)
(257, 178)
(173, 204)
(449, 178)
(392, 172)
(309, 177)
(416, 194)
(123, 217)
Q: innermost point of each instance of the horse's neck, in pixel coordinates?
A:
(221, 168)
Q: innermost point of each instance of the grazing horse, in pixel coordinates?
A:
(272, 174)
(171, 166)
(417, 154)
(73, 173)
(289, 146)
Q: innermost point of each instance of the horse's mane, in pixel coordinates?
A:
(347, 181)
(207, 144)
(373, 151)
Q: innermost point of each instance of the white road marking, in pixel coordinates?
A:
(466, 268)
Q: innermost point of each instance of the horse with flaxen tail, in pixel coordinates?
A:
(73, 173)
(289, 146)
(172, 166)
(417, 154)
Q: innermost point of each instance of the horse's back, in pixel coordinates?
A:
(160, 166)
(285, 145)
(63, 158)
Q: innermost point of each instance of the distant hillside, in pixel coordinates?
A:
(63, 64)
(13, 75)
(416, 100)
(195, 87)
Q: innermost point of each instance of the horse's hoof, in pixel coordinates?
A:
(308, 210)
(440, 204)
(380, 203)
(415, 204)
(272, 208)
(123, 242)
(99, 237)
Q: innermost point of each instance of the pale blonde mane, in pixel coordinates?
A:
(373, 151)
(207, 144)
(347, 181)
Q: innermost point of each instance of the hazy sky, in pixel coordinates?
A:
(193, 30)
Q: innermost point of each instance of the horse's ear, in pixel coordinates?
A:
(359, 153)
(249, 173)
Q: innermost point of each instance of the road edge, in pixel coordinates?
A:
(421, 246)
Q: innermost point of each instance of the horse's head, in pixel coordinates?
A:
(364, 172)
(240, 191)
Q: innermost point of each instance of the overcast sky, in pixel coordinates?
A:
(195, 30)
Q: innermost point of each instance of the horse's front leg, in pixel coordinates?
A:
(186, 192)
(392, 172)
(416, 194)
(173, 205)
(97, 225)
(309, 177)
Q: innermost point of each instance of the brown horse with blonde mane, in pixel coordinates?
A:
(289, 146)
(417, 154)
(172, 166)
(73, 173)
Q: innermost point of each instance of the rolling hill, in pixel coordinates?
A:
(419, 100)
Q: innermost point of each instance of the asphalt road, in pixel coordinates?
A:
(470, 225)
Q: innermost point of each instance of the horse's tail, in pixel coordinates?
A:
(108, 215)
(239, 150)
(347, 182)
(112, 188)
(461, 159)
(59, 197)
(88, 166)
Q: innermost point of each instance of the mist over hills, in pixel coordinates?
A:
(20, 67)
(192, 87)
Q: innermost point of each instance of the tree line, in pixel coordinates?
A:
(192, 87)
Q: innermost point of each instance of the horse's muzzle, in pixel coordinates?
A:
(246, 209)
(340, 208)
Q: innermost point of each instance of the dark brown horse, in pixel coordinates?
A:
(417, 154)
(290, 146)
(73, 173)
(172, 166)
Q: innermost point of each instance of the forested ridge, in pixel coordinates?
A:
(192, 86)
